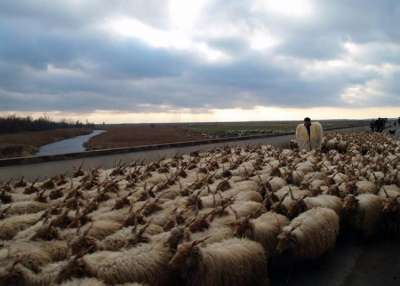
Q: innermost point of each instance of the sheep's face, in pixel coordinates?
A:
(74, 268)
(351, 188)
(350, 205)
(83, 243)
(13, 276)
(334, 191)
(304, 185)
(296, 207)
(239, 227)
(285, 241)
(224, 185)
(315, 192)
(175, 237)
(182, 255)
(278, 207)
(390, 205)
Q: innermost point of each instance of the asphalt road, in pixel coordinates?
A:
(373, 263)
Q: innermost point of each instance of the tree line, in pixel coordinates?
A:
(16, 124)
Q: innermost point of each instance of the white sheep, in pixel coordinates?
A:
(363, 212)
(11, 226)
(25, 207)
(310, 235)
(146, 263)
(203, 266)
(264, 230)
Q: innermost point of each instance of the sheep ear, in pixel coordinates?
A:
(296, 226)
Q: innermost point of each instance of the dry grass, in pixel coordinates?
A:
(28, 143)
(128, 136)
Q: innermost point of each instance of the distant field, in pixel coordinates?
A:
(28, 143)
(138, 135)
(220, 128)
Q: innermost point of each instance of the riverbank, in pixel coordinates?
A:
(28, 143)
(72, 145)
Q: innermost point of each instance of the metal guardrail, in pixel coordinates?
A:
(116, 151)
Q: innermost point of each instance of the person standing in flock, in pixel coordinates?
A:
(309, 135)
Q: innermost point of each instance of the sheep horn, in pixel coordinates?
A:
(235, 212)
(387, 195)
(291, 194)
(196, 242)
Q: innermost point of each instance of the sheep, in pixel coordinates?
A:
(300, 205)
(366, 187)
(10, 227)
(363, 212)
(118, 239)
(17, 274)
(87, 282)
(312, 141)
(34, 255)
(25, 207)
(208, 265)
(331, 144)
(310, 235)
(264, 230)
(275, 183)
(391, 208)
(216, 233)
(146, 263)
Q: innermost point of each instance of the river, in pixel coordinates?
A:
(70, 145)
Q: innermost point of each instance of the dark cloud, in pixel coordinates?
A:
(58, 56)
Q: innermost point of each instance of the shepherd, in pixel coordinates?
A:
(309, 136)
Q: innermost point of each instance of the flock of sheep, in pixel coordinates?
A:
(216, 218)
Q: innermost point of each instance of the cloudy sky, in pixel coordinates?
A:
(203, 60)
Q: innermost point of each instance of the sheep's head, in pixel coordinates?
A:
(5, 197)
(12, 275)
(278, 207)
(134, 218)
(153, 205)
(224, 185)
(351, 187)
(47, 232)
(297, 207)
(83, 242)
(138, 236)
(315, 191)
(287, 239)
(194, 201)
(350, 205)
(391, 204)
(240, 227)
(3, 213)
(199, 223)
(176, 236)
(55, 194)
(334, 191)
(20, 183)
(74, 268)
(183, 257)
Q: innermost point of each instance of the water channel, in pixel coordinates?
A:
(70, 145)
